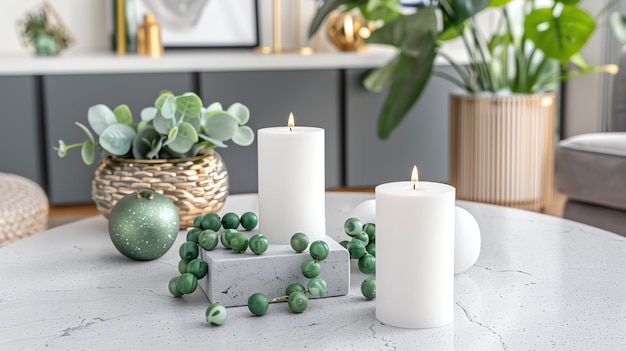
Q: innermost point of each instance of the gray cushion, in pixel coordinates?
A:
(591, 168)
(597, 216)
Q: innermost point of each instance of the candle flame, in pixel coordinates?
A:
(414, 177)
(291, 122)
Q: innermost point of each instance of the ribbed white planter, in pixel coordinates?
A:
(502, 148)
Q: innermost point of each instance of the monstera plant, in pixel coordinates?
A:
(528, 52)
(175, 127)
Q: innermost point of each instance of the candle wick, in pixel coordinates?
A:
(413, 186)
(290, 129)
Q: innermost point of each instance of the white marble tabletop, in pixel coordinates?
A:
(540, 283)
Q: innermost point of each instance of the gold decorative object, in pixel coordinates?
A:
(44, 30)
(502, 149)
(277, 47)
(348, 30)
(149, 37)
(23, 208)
(197, 185)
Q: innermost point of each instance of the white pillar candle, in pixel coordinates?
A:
(291, 182)
(415, 254)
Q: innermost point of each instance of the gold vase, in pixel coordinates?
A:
(197, 185)
(347, 31)
(502, 149)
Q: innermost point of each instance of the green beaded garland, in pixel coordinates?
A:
(353, 226)
(362, 238)
(344, 243)
(193, 234)
(317, 287)
(258, 243)
(208, 239)
(230, 221)
(182, 266)
(188, 251)
(356, 249)
(371, 248)
(367, 264)
(297, 302)
(225, 237)
(368, 288)
(187, 283)
(212, 221)
(173, 287)
(319, 250)
(197, 222)
(293, 287)
(299, 242)
(370, 230)
(258, 304)
(249, 220)
(198, 267)
(238, 242)
(216, 314)
(310, 268)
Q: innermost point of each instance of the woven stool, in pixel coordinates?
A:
(23, 208)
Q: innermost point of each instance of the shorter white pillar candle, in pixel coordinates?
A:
(415, 254)
(292, 183)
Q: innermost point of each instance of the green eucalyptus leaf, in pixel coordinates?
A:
(148, 113)
(154, 152)
(144, 143)
(216, 106)
(162, 124)
(194, 121)
(618, 25)
(123, 114)
(86, 130)
(171, 136)
(380, 78)
(117, 139)
(61, 149)
(240, 111)
(559, 36)
(188, 104)
(88, 152)
(221, 126)
(168, 107)
(214, 142)
(184, 139)
(244, 136)
(100, 117)
(163, 95)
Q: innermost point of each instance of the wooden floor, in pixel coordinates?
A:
(65, 214)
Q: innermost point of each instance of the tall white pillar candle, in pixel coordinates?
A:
(415, 254)
(291, 183)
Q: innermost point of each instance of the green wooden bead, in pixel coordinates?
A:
(319, 250)
(216, 314)
(258, 304)
(362, 237)
(187, 283)
(212, 221)
(344, 243)
(208, 239)
(238, 241)
(225, 237)
(356, 249)
(371, 248)
(249, 220)
(367, 264)
(188, 251)
(370, 230)
(310, 268)
(353, 226)
(368, 288)
(297, 302)
(193, 234)
(299, 242)
(230, 221)
(173, 287)
(293, 287)
(317, 287)
(258, 244)
(198, 267)
(182, 266)
(197, 222)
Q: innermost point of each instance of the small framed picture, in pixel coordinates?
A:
(189, 24)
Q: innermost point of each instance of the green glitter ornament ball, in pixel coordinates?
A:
(143, 225)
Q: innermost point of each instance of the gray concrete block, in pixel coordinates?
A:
(233, 277)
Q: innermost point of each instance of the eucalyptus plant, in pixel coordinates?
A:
(175, 127)
(521, 56)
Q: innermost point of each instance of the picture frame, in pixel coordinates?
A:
(201, 24)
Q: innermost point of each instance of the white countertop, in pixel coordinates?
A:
(189, 61)
(541, 283)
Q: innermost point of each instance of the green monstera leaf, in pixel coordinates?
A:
(100, 117)
(117, 139)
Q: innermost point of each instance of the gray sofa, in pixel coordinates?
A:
(590, 168)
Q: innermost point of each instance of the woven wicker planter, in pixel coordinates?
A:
(197, 185)
(502, 149)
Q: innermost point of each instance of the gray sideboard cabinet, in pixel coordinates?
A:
(314, 97)
(67, 98)
(21, 132)
(422, 137)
